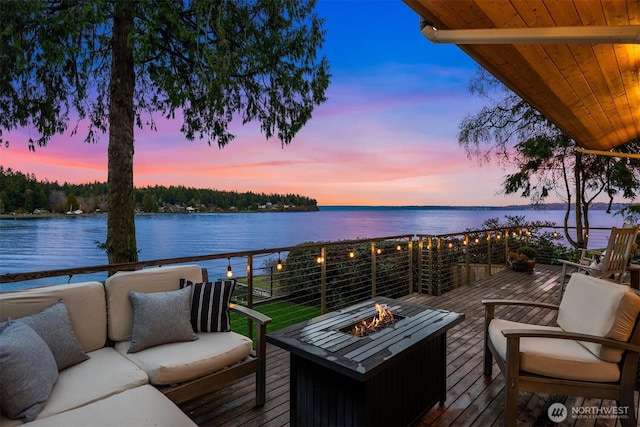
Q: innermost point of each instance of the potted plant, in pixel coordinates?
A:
(523, 259)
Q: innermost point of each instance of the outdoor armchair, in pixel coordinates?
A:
(593, 352)
(610, 264)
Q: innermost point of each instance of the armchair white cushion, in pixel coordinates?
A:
(597, 307)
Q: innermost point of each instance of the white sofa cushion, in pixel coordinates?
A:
(104, 374)
(598, 307)
(142, 406)
(178, 362)
(85, 302)
(553, 357)
(159, 279)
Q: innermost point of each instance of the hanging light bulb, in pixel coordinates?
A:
(229, 270)
(379, 251)
(279, 263)
(398, 247)
(352, 254)
(319, 259)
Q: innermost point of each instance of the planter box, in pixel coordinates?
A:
(476, 272)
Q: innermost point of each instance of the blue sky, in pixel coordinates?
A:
(386, 136)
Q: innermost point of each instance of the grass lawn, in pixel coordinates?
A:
(282, 313)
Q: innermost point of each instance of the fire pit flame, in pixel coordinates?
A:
(381, 320)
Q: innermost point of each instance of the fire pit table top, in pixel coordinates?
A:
(322, 339)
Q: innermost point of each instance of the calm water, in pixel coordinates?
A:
(64, 242)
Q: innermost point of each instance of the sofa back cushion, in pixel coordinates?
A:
(598, 307)
(158, 279)
(84, 301)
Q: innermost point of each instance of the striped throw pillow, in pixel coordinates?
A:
(210, 305)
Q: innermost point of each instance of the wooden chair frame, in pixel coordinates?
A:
(254, 363)
(517, 380)
(613, 264)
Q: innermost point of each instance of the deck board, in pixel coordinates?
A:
(472, 398)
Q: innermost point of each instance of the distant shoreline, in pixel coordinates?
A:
(546, 207)
(529, 207)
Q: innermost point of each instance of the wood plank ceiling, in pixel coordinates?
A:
(591, 91)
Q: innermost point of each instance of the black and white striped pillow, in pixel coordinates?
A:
(210, 305)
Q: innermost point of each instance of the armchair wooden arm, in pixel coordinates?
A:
(260, 347)
(516, 334)
(250, 313)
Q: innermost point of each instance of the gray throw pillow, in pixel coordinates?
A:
(28, 372)
(54, 327)
(160, 318)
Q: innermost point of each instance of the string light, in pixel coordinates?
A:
(229, 270)
(352, 254)
(398, 247)
(319, 259)
(279, 263)
(379, 251)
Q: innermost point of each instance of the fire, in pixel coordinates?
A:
(380, 320)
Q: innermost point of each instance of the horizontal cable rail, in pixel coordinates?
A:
(294, 283)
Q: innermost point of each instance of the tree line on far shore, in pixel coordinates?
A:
(23, 193)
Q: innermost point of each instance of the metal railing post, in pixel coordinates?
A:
(410, 250)
(438, 289)
(250, 291)
(373, 269)
(489, 255)
(323, 280)
(467, 260)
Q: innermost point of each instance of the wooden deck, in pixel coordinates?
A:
(472, 398)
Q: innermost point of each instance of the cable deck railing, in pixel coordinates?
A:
(294, 283)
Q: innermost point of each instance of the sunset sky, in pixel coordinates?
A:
(386, 136)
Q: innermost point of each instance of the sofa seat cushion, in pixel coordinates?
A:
(105, 373)
(178, 362)
(142, 406)
(553, 357)
(598, 307)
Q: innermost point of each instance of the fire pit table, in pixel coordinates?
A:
(387, 377)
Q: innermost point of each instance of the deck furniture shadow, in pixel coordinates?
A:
(389, 377)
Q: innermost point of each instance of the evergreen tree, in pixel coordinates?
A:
(115, 62)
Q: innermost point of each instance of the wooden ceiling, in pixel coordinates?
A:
(591, 91)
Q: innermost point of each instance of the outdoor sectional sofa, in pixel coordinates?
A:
(87, 361)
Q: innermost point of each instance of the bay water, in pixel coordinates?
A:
(57, 242)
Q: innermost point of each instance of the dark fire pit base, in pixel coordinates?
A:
(395, 396)
(388, 378)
